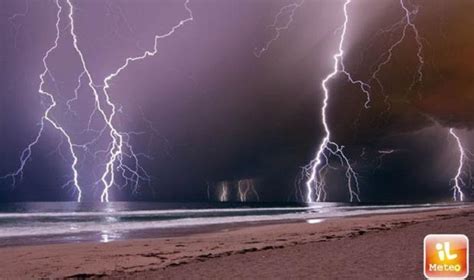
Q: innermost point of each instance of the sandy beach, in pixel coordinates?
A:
(369, 247)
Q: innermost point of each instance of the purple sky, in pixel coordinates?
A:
(205, 109)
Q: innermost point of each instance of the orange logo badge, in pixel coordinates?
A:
(446, 256)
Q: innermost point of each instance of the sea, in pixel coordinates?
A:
(30, 223)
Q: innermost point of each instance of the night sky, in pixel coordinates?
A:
(206, 110)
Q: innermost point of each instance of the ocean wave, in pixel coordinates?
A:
(64, 227)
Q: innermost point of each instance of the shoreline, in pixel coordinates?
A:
(111, 229)
(151, 256)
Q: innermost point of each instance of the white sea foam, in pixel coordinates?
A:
(144, 213)
(116, 226)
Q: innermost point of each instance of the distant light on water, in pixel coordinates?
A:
(104, 237)
(314, 221)
(109, 236)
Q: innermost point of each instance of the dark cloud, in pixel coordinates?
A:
(446, 93)
(220, 114)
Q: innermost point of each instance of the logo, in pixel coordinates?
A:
(446, 256)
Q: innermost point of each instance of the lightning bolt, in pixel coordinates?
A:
(76, 93)
(119, 147)
(17, 26)
(116, 152)
(316, 170)
(407, 23)
(243, 191)
(458, 181)
(290, 9)
(244, 187)
(224, 192)
(27, 152)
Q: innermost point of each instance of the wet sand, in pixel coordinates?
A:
(371, 247)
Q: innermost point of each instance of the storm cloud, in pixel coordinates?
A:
(206, 110)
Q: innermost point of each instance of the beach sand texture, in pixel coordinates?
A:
(369, 247)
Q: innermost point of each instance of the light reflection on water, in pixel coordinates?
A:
(314, 221)
(74, 222)
(109, 236)
(105, 234)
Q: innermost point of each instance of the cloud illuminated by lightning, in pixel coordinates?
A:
(407, 23)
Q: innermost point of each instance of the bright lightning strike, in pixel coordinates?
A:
(119, 147)
(316, 170)
(408, 24)
(458, 181)
(277, 29)
(26, 154)
(116, 152)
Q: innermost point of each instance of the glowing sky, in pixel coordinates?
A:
(206, 109)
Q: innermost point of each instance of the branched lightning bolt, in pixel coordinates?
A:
(17, 26)
(407, 23)
(244, 187)
(243, 191)
(119, 148)
(316, 170)
(26, 154)
(116, 151)
(76, 93)
(290, 8)
(459, 183)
